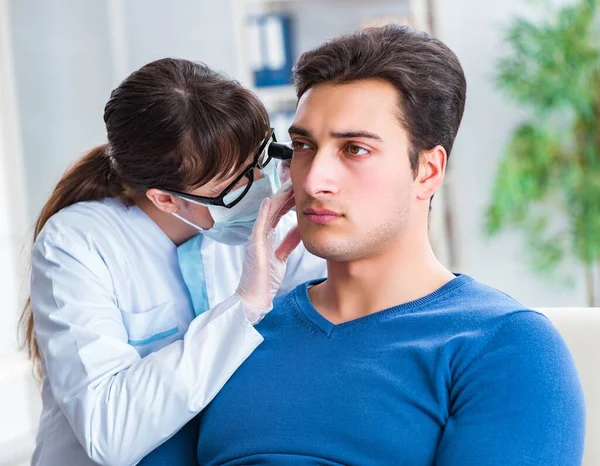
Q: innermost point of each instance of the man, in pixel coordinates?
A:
(392, 359)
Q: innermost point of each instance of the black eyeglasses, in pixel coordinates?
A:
(229, 197)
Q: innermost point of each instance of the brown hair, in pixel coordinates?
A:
(426, 73)
(172, 124)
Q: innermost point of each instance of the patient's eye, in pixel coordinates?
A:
(357, 151)
(299, 145)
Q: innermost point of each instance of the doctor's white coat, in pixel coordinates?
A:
(125, 361)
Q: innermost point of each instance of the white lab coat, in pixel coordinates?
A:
(125, 362)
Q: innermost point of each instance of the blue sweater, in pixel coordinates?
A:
(464, 376)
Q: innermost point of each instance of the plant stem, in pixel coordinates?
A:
(597, 294)
(589, 284)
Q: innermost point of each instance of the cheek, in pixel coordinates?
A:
(380, 193)
(370, 180)
(374, 184)
(367, 196)
(200, 215)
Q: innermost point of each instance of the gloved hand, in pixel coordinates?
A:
(264, 265)
(283, 171)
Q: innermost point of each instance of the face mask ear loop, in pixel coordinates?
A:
(193, 225)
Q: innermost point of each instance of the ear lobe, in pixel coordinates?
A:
(432, 169)
(163, 201)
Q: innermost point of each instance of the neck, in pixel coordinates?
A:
(405, 271)
(174, 228)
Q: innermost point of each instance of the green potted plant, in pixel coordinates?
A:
(548, 182)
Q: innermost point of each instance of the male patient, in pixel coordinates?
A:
(392, 359)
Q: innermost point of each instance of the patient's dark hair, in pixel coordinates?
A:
(172, 124)
(427, 75)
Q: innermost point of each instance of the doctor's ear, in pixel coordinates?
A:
(164, 201)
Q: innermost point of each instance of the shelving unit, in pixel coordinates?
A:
(315, 21)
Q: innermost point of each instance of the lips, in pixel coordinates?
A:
(321, 216)
(321, 212)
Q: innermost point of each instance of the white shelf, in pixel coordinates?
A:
(272, 95)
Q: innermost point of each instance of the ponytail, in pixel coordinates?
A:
(90, 178)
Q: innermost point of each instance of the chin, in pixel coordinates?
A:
(320, 242)
(326, 248)
(314, 241)
(316, 248)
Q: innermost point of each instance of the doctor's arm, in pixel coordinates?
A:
(119, 405)
(517, 401)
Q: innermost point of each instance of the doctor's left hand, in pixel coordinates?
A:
(264, 264)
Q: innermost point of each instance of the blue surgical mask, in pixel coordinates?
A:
(233, 226)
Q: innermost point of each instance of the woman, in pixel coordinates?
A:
(128, 354)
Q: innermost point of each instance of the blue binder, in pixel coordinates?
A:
(271, 41)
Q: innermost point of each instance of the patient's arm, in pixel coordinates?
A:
(517, 401)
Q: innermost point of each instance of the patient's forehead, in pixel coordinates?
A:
(368, 105)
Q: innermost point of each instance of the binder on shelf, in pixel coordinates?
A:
(271, 49)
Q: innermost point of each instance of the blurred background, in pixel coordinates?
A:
(520, 210)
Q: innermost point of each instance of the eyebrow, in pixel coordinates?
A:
(336, 134)
(300, 131)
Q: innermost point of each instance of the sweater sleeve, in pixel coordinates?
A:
(517, 401)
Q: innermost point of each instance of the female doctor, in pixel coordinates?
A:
(127, 353)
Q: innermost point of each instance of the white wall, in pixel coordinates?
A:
(17, 391)
(474, 30)
(19, 405)
(200, 30)
(63, 71)
(70, 54)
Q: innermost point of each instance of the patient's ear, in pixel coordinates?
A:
(432, 169)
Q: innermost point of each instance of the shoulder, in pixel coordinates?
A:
(491, 325)
(83, 223)
(475, 307)
(479, 319)
(76, 250)
(93, 233)
(527, 335)
(522, 363)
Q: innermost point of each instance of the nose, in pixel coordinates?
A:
(322, 173)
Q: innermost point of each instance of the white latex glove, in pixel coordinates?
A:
(283, 171)
(264, 265)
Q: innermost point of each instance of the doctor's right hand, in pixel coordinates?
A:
(264, 265)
